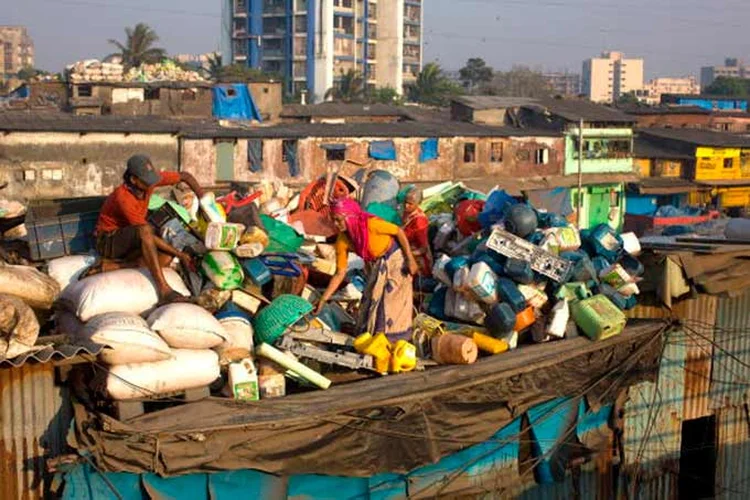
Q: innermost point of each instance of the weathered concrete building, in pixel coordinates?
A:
(54, 155)
(690, 117)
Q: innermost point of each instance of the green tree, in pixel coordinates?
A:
(520, 81)
(384, 95)
(628, 98)
(475, 73)
(432, 87)
(349, 88)
(215, 66)
(728, 86)
(139, 46)
(29, 73)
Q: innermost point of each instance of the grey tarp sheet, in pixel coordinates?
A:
(389, 424)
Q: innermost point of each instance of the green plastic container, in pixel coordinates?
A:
(282, 238)
(274, 319)
(598, 317)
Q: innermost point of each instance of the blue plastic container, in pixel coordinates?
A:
(484, 256)
(612, 294)
(508, 292)
(500, 320)
(606, 242)
(600, 264)
(455, 264)
(536, 237)
(632, 265)
(256, 271)
(519, 271)
(583, 269)
(231, 310)
(436, 307)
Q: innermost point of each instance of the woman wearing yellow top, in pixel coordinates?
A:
(388, 300)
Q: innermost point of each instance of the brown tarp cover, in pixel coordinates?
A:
(389, 424)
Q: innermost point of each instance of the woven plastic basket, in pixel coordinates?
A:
(274, 319)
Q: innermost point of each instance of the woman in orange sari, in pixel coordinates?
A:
(389, 264)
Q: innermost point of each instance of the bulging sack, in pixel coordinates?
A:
(239, 341)
(223, 269)
(187, 369)
(125, 290)
(127, 338)
(187, 326)
(33, 287)
(19, 327)
(67, 270)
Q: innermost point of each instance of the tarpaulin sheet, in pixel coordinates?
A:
(383, 150)
(290, 154)
(390, 424)
(428, 150)
(555, 200)
(234, 102)
(255, 154)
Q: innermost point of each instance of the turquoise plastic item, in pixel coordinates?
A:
(256, 271)
(500, 320)
(436, 307)
(455, 264)
(508, 292)
(282, 237)
(519, 271)
(385, 211)
(606, 242)
(632, 265)
(271, 322)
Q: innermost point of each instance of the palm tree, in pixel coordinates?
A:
(432, 87)
(350, 88)
(139, 46)
(214, 69)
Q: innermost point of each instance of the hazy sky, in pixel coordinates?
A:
(675, 37)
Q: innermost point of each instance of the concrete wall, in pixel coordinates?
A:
(518, 159)
(269, 99)
(45, 165)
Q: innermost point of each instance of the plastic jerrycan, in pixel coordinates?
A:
(598, 317)
(243, 379)
(508, 292)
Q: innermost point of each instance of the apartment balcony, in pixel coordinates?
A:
(240, 9)
(273, 54)
(415, 3)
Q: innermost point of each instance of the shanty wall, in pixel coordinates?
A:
(195, 102)
(199, 158)
(47, 165)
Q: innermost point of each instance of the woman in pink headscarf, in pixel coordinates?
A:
(387, 302)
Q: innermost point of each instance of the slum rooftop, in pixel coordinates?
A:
(639, 109)
(643, 148)
(337, 109)
(49, 121)
(571, 110)
(697, 137)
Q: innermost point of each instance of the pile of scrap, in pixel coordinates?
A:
(93, 70)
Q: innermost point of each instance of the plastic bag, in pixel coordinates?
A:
(187, 326)
(19, 327)
(223, 269)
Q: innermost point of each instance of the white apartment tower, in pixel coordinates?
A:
(312, 42)
(608, 77)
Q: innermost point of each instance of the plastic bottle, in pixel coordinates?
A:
(606, 242)
(454, 265)
(631, 244)
(500, 320)
(482, 281)
(616, 276)
(243, 379)
(632, 265)
(558, 319)
(535, 297)
(403, 357)
(508, 292)
(568, 238)
(223, 235)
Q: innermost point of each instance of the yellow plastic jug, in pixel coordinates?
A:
(379, 347)
(403, 357)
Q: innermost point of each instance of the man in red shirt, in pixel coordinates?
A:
(125, 239)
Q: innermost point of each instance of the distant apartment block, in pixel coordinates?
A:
(564, 84)
(311, 43)
(608, 77)
(654, 89)
(17, 50)
(733, 68)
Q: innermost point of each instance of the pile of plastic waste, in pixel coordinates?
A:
(93, 70)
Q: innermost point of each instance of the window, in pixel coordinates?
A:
(470, 152)
(84, 91)
(287, 145)
(300, 24)
(728, 162)
(496, 152)
(151, 94)
(255, 155)
(336, 154)
(541, 156)
(523, 155)
(614, 199)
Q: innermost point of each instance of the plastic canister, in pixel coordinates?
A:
(243, 379)
(500, 320)
(465, 309)
(436, 308)
(489, 344)
(600, 264)
(631, 244)
(256, 271)
(212, 210)
(598, 317)
(535, 297)
(443, 235)
(252, 243)
(403, 357)
(439, 271)
(508, 292)
(484, 256)
(568, 238)
(629, 290)
(606, 242)
(222, 269)
(616, 276)
(612, 294)
(271, 381)
(524, 319)
(558, 319)
(482, 281)
(519, 271)
(461, 280)
(379, 347)
(454, 265)
(223, 235)
(632, 265)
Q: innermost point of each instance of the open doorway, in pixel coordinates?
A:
(698, 458)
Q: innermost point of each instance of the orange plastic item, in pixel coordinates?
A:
(524, 319)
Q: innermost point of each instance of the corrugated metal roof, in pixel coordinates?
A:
(573, 110)
(51, 354)
(698, 137)
(643, 148)
(730, 377)
(338, 109)
(46, 121)
(664, 110)
(732, 453)
(34, 417)
(481, 102)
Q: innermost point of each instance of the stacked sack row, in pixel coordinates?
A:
(483, 281)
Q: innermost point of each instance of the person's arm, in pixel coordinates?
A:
(188, 179)
(342, 264)
(403, 242)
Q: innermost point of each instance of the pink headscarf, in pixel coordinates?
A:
(356, 225)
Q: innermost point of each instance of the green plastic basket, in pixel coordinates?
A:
(277, 317)
(282, 238)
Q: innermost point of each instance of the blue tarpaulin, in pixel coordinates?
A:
(383, 150)
(290, 156)
(234, 101)
(255, 154)
(549, 424)
(428, 150)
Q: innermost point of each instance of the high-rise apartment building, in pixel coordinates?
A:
(608, 77)
(733, 68)
(17, 48)
(313, 42)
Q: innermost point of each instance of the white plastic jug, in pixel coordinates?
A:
(631, 244)
(243, 379)
(438, 270)
(568, 238)
(461, 280)
(443, 235)
(482, 282)
(211, 208)
(558, 321)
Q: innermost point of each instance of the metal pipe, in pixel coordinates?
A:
(580, 173)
